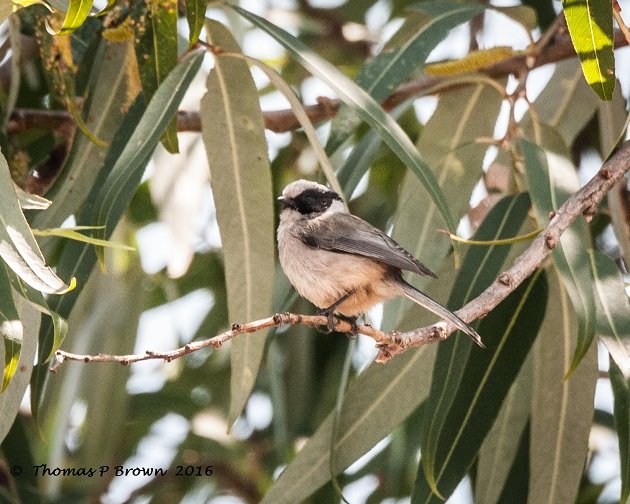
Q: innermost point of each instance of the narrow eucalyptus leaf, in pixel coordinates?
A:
(233, 133)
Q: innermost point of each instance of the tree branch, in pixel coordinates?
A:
(217, 341)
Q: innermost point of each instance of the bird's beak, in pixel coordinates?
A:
(285, 202)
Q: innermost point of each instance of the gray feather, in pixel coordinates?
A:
(345, 233)
(423, 300)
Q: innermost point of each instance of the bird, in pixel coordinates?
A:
(343, 264)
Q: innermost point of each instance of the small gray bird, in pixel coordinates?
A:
(341, 263)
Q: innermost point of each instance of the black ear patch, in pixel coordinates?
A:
(314, 201)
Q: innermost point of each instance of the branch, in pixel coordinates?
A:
(281, 121)
(217, 341)
(583, 202)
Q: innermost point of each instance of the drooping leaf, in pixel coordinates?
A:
(551, 180)
(613, 310)
(621, 390)
(128, 156)
(77, 13)
(110, 94)
(58, 60)
(562, 407)
(11, 398)
(380, 75)
(11, 329)
(196, 16)
(379, 400)
(485, 381)
(447, 446)
(240, 176)
(156, 53)
(18, 247)
(555, 105)
(364, 105)
(501, 446)
(591, 28)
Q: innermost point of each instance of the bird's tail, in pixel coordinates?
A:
(423, 300)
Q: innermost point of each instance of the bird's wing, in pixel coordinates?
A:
(345, 233)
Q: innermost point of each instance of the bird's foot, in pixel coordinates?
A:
(330, 313)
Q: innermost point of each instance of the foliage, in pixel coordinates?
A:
(95, 168)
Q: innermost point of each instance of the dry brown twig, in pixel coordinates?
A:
(583, 202)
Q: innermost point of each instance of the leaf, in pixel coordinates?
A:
(37, 300)
(234, 136)
(363, 104)
(380, 75)
(196, 16)
(501, 446)
(472, 62)
(621, 391)
(464, 373)
(456, 161)
(29, 201)
(11, 398)
(510, 330)
(110, 93)
(303, 119)
(555, 105)
(127, 158)
(73, 234)
(591, 28)
(551, 180)
(612, 310)
(156, 53)
(11, 329)
(57, 57)
(18, 247)
(77, 13)
(114, 195)
(376, 402)
(562, 408)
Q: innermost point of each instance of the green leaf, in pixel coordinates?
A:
(590, 25)
(116, 192)
(109, 94)
(77, 13)
(380, 75)
(18, 247)
(459, 369)
(156, 53)
(303, 119)
(501, 446)
(11, 329)
(374, 404)
(30, 201)
(613, 309)
(196, 16)
(73, 234)
(234, 136)
(128, 156)
(456, 160)
(551, 180)
(11, 398)
(562, 408)
(555, 105)
(364, 105)
(451, 447)
(621, 390)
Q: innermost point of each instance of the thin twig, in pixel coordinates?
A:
(217, 341)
